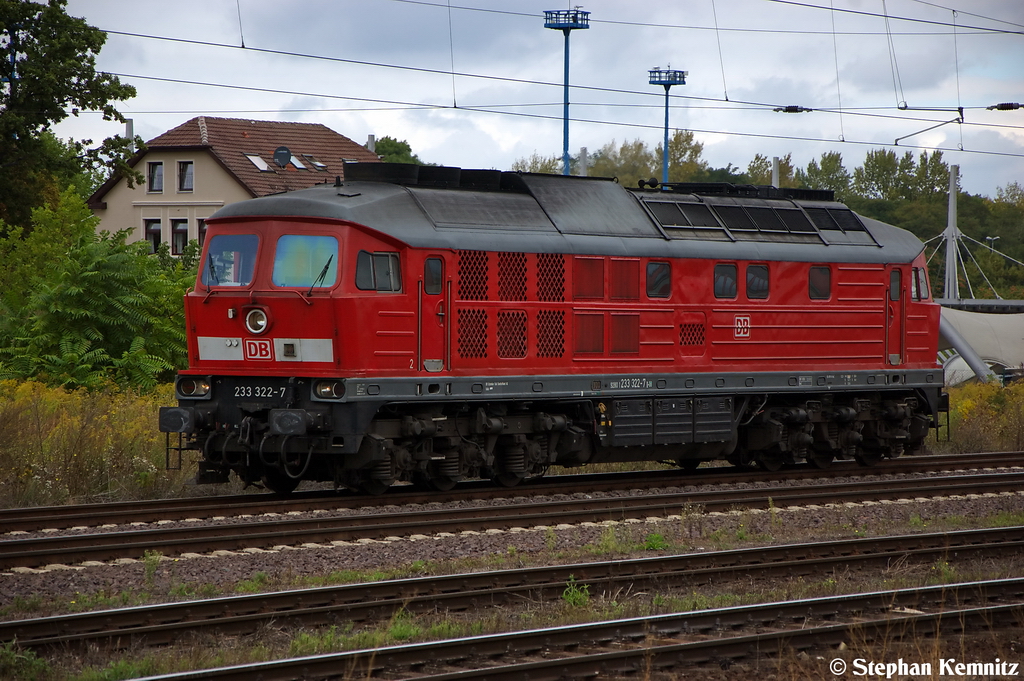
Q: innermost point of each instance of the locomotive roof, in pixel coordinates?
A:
(439, 207)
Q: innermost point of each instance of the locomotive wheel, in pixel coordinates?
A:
(508, 479)
(373, 486)
(438, 483)
(867, 457)
(820, 460)
(689, 465)
(277, 481)
(770, 462)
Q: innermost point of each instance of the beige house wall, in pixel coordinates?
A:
(213, 188)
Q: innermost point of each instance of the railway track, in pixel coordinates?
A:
(664, 643)
(61, 517)
(99, 546)
(238, 615)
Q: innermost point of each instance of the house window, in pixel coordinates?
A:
(319, 165)
(185, 176)
(155, 177)
(201, 231)
(260, 164)
(179, 236)
(152, 229)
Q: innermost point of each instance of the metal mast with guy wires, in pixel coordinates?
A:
(667, 78)
(566, 20)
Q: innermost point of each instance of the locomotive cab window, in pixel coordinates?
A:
(433, 275)
(659, 280)
(230, 260)
(725, 280)
(378, 272)
(757, 282)
(819, 283)
(306, 261)
(919, 284)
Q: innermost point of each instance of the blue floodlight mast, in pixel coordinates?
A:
(566, 20)
(668, 78)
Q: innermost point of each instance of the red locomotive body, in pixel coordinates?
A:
(432, 324)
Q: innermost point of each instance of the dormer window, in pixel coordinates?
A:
(155, 177)
(258, 161)
(185, 176)
(312, 160)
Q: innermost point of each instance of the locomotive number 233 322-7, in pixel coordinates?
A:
(258, 391)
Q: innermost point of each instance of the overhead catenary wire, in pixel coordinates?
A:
(574, 119)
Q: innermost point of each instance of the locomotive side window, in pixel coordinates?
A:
(819, 283)
(894, 285)
(919, 284)
(306, 261)
(378, 272)
(659, 280)
(725, 280)
(432, 276)
(757, 282)
(230, 260)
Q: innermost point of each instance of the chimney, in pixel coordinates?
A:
(371, 143)
(129, 133)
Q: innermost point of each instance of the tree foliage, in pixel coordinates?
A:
(48, 72)
(828, 174)
(82, 308)
(391, 150)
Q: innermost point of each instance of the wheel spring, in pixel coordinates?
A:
(382, 470)
(450, 467)
(514, 459)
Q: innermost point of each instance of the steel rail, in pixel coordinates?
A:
(159, 624)
(58, 517)
(629, 647)
(28, 552)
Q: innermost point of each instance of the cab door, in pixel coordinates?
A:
(896, 314)
(434, 295)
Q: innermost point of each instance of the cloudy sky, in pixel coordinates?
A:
(477, 83)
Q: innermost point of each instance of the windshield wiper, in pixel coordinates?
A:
(211, 271)
(321, 277)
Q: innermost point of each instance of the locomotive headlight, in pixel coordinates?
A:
(256, 321)
(193, 387)
(329, 390)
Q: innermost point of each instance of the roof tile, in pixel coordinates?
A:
(230, 139)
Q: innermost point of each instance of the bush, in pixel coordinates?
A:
(59, 447)
(985, 417)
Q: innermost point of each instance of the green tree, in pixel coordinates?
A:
(828, 174)
(630, 162)
(684, 157)
(391, 150)
(536, 163)
(48, 72)
(759, 171)
(91, 308)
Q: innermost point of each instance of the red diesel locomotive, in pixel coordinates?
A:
(435, 324)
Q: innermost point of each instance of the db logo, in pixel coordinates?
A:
(261, 348)
(741, 327)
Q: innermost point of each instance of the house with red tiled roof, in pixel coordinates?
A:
(205, 163)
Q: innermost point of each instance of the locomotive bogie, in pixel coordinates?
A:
(373, 333)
